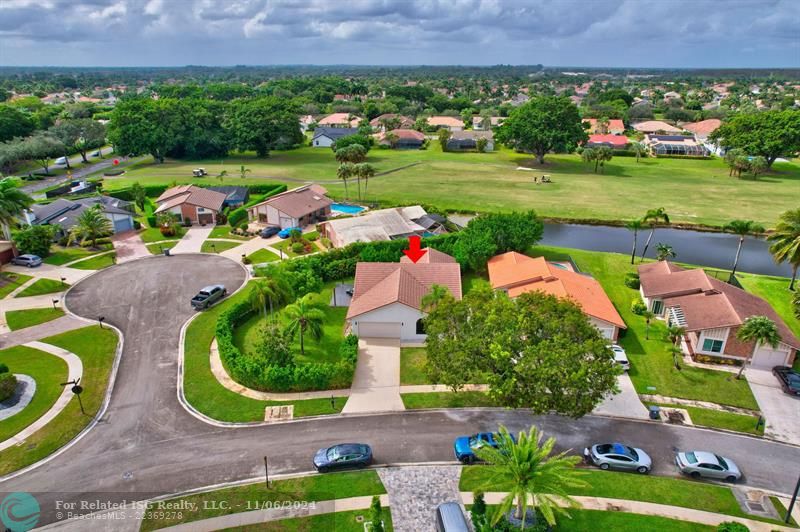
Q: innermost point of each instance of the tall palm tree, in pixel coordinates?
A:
(13, 202)
(91, 224)
(652, 218)
(648, 316)
(674, 333)
(306, 315)
(365, 172)
(664, 252)
(222, 175)
(345, 172)
(758, 329)
(638, 149)
(528, 469)
(742, 228)
(272, 291)
(635, 226)
(244, 171)
(796, 304)
(786, 242)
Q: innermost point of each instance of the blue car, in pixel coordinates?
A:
(286, 232)
(464, 446)
(343, 455)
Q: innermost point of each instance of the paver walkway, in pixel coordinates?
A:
(415, 492)
(43, 330)
(22, 303)
(193, 240)
(129, 246)
(74, 371)
(624, 404)
(781, 411)
(376, 383)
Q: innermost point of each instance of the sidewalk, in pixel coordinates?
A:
(43, 330)
(249, 247)
(48, 271)
(376, 383)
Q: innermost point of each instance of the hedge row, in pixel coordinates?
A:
(251, 372)
(154, 191)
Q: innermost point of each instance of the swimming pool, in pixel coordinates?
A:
(347, 209)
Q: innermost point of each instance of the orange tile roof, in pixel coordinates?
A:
(447, 121)
(703, 128)
(517, 273)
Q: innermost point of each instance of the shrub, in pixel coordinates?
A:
(732, 526)
(237, 216)
(151, 221)
(35, 239)
(298, 247)
(638, 307)
(3, 368)
(247, 260)
(137, 225)
(312, 237)
(167, 230)
(632, 280)
(8, 385)
(326, 242)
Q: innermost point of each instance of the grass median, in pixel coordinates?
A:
(20, 319)
(43, 286)
(11, 281)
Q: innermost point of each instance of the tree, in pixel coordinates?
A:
(81, 135)
(272, 291)
(444, 135)
(35, 240)
(542, 125)
(273, 347)
(652, 218)
(742, 228)
(478, 512)
(758, 329)
(648, 316)
(354, 153)
(364, 171)
(588, 155)
(345, 172)
(635, 226)
(139, 195)
(664, 252)
(757, 165)
(350, 140)
(639, 150)
(769, 134)
(262, 124)
(243, 171)
(481, 143)
(786, 242)
(473, 251)
(796, 304)
(143, 125)
(376, 515)
(91, 224)
(222, 175)
(601, 155)
(306, 316)
(168, 223)
(675, 333)
(732, 158)
(14, 123)
(532, 473)
(42, 148)
(13, 201)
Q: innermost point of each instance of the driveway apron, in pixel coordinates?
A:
(376, 384)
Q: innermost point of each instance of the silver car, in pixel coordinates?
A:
(618, 456)
(620, 357)
(28, 260)
(698, 464)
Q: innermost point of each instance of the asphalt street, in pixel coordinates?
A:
(148, 444)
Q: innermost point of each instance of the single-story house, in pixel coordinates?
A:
(515, 274)
(680, 145)
(382, 224)
(704, 128)
(446, 122)
(64, 213)
(325, 137)
(234, 196)
(394, 120)
(615, 126)
(191, 204)
(477, 122)
(655, 126)
(468, 140)
(340, 120)
(387, 296)
(407, 139)
(711, 312)
(298, 207)
(616, 142)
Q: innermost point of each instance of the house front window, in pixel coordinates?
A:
(712, 346)
(420, 326)
(658, 307)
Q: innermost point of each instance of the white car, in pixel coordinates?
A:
(60, 161)
(620, 357)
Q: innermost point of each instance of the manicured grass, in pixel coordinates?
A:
(61, 255)
(414, 401)
(224, 231)
(651, 361)
(247, 335)
(19, 319)
(261, 256)
(11, 281)
(309, 489)
(720, 420)
(412, 366)
(491, 182)
(43, 286)
(96, 263)
(47, 370)
(153, 234)
(583, 520)
(218, 246)
(96, 349)
(208, 396)
(775, 290)
(782, 510)
(338, 522)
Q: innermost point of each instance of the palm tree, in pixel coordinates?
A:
(13, 202)
(758, 329)
(635, 226)
(588, 155)
(527, 467)
(741, 228)
(648, 316)
(731, 157)
(664, 252)
(652, 218)
(786, 242)
(364, 171)
(638, 149)
(757, 165)
(91, 224)
(677, 353)
(222, 175)
(244, 171)
(601, 155)
(306, 315)
(272, 291)
(345, 172)
(674, 333)
(796, 304)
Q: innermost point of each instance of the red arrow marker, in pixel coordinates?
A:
(414, 252)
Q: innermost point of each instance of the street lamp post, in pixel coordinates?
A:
(791, 503)
(266, 471)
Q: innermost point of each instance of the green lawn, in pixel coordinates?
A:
(311, 488)
(96, 348)
(583, 520)
(352, 521)
(491, 182)
(61, 255)
(11, 281)
(261, 256)
(412, 366)
(774, 290)
(96, 263)
(224, 231)
(43, 286)
(208, 396)
(721, 420)
(413, 401)
(19, 319)
(218, 246)
(47, 370)
(153, 234)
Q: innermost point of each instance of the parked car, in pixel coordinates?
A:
(285, 233)
(464, 446)
(620, 357)
(789, 379)
(269, 231)
(618, 456)
(95, 153)
(60, 161)
(698, 464)
(208, 296)
(28, 260)
(450, 518)
(343, 455)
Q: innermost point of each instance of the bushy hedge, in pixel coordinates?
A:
(154, 191)
(8, 385)
(251, 372)
(632, 280)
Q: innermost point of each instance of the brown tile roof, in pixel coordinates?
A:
(613, 124)
(299, 201)
(405, 122)
(404, 134)
(432, 256)
(447, 121)
(663, 278)
(703, 128)
(655, 126)
(378, 284)
(339, 118)
(200, 197)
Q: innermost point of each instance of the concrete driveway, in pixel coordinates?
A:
(376, 383)
(129, 246)
(192, 241)
(781, 411)
(625, 404)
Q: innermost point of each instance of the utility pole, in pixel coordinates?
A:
(791, 503)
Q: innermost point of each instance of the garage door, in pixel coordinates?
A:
(767, 358)
(373, 329)
(121, 225)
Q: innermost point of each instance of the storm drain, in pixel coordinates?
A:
(278, 413)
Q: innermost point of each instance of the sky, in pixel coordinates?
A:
(592, 33)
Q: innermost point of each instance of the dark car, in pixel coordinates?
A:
(343, 455)
(208, 296)
(267, 232)
(789, 379)
(28, 260)
(464, 446)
